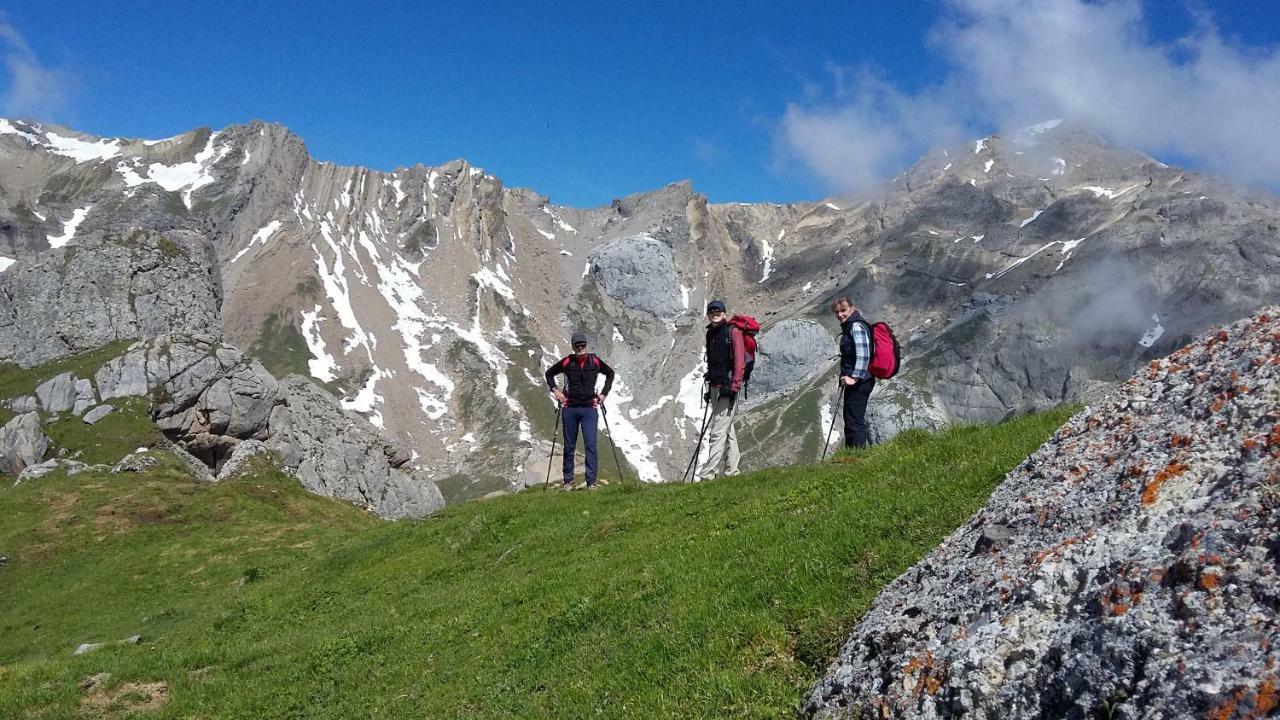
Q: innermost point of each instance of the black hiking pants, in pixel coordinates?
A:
(856, 431)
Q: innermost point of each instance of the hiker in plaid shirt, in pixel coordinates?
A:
(855, 355)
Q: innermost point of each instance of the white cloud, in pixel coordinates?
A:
(33, 89)
(1014, 62)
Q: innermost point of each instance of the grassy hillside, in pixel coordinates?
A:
(256, 600)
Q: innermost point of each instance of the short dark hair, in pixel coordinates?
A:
(840, 302)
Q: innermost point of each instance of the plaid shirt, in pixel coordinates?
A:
(855, 347)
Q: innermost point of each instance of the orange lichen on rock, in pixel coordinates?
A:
(929, 670)
(1152, 489)
(1210, 581)
(1268, 700)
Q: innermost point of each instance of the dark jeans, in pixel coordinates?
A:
(573, 418)
(856, 431)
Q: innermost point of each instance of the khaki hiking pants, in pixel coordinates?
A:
(721, 436)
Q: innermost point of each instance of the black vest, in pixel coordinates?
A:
(580, 380)
(720, 354)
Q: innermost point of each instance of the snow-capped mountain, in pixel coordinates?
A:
(1018, 272)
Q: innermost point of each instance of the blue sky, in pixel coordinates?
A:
(587, 101)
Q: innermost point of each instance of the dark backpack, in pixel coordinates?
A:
(749, 327)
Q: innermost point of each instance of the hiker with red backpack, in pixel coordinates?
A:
(578, 402)
(855, 378)
(726, 376)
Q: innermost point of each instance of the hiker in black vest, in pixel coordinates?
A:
(726, 366)
(855, 357)
(579, 401)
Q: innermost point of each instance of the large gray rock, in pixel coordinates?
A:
(85, 397)
(22, 443)
(789, 353)
(639, 272)
(337, 454)
(58, 394)
(96, 414)
(1127, 569)
(106, 287)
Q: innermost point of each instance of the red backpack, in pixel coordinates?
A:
(749, 327)
(886, 354)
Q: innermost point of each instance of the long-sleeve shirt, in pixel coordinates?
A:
(580, 379)
(855, 347)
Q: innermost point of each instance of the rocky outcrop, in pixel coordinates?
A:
(790, 350)
(105, 288)
(1127, 569)
(212, 400)
(336, 454)
(640, 273)
(22, 443)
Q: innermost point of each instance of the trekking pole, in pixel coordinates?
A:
(613, 445)
(693, 463)
(552, 456)
(836, 409)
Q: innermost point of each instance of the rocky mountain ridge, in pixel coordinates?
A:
(1020, 272)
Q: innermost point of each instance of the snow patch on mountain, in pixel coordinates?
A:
(259, 238)
(69, 227)
(1153, 333)
(768, 260)
(191, 175)
(322, 365)
(82, 150)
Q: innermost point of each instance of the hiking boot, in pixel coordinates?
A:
(566, 487)
(593, 486)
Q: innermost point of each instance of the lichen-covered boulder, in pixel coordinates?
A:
(1127, 569)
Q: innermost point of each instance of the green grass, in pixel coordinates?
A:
(255, 600)
(125, 429)
(16, 381)
(280, 347)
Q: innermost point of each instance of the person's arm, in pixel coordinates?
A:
(608, 377)
(739, 359)
(861, 351)
(555, 369)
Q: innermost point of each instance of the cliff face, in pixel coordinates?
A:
(1127, 568)
(1018, 273)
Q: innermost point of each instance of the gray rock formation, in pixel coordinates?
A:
(639, 272)
(105, 288)
(360, 468)
(1127, 569)
(241, 455)
(58, 394)
(96, 414)
(335, 454)
(211, 400)
(22, 443)
(790, 350)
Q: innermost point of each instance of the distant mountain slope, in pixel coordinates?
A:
(1019, 272)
